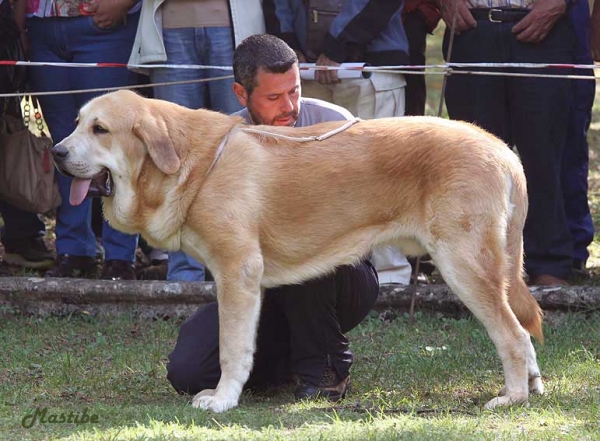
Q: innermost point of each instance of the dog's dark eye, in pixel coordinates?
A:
(98, 130)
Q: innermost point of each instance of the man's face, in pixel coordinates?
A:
(275, 99)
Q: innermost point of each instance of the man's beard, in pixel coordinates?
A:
(258, 119)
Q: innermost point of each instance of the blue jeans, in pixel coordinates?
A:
(77, 39)
(531, 113)
(208, 46)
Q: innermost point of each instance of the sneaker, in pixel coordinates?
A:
(331, 387)
(118, 270)
(74, 266)
(30, 252)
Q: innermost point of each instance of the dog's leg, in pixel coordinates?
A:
(536, 385)
(477, 275)
(239, 296)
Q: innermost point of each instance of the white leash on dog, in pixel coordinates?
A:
(322, 137)
(348, 124)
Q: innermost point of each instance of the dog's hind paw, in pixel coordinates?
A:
(208, 400)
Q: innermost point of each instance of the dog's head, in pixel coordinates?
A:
(114, 134)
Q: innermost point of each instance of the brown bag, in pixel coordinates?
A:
(26, 167)
(321, 14)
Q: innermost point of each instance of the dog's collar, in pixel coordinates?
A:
(322, 137)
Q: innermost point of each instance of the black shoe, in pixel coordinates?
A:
(118, 270)
(30, 252)
(74, 266)
(579, 273)
(331, 387)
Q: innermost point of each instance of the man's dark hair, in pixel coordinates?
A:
(265, 52)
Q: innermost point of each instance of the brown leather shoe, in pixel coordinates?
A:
(118, 270)
(156, 271)
(547, 280)
(331, 387)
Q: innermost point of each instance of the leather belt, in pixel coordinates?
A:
(497, 15)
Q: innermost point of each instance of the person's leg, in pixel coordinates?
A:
(220, 53)
(380, 96)
(194, 363)
(19, 224)
(540, 117)
(100, 45)
(574, 172)
(314, 89)
(392, 266)
(416, 90)
(23, 238)
(319, 312)
(183, 46)
(48, 42)
(479, 99)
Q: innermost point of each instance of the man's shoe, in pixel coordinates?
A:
(74, 266)
(579, 272)
(118, 270)
(331, 387)
(156, 271)
(30, 252)
(547, 280)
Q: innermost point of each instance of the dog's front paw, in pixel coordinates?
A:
(536, 385)
(208, 399)
(505, 400)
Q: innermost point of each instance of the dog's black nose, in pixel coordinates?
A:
(59, 151)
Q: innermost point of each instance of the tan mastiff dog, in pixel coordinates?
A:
(261, 206)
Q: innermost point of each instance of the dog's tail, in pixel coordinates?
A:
(521, 301)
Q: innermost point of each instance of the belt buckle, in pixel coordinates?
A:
(490, 15)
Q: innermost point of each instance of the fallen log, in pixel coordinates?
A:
(46, 296)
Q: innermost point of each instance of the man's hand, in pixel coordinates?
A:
(464, 19)
(326, 76)
(536, 25)
(109, 14)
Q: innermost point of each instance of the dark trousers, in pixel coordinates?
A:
(416, 89)
(531, 113)
(575, 166)
(301, 331)
(19, 224)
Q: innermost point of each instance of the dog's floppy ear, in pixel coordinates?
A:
(153, 131)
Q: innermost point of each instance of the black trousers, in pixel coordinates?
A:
(416, 88)
(531, 113)
(301, 331)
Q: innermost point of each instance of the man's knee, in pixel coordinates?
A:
(187, 381)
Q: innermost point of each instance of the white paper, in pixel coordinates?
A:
(306, 73)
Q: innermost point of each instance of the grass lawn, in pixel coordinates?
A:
(423, 381)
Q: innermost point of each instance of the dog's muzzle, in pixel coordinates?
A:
(99, 185)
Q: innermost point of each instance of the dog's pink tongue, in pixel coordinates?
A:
(79, 190)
